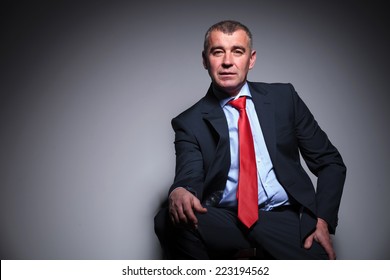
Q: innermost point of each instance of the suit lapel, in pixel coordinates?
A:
(265, 109)
(214, 116)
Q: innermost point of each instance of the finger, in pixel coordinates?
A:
(196, 207)
(181, 215)
(173, 216)
(176, 212)
(331, 253)
(189, 212)
(327, 245)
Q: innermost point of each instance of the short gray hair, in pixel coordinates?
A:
(227, 27)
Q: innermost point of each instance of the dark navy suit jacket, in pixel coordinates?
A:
(289, 128)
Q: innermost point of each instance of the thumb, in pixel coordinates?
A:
(308, 242)
(198, 206)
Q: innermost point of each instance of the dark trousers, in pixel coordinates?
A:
(276, 235)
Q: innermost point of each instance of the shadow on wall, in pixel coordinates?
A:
(88, 91)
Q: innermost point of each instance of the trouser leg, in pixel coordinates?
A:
(278, 233)
(178, 242)
(221, 232)
(218, 236)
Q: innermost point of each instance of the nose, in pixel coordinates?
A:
(227, 60)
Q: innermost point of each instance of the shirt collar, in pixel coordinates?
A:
(223, 100)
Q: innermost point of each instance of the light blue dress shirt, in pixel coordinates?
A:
(271, 193)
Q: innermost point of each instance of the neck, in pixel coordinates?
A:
(227, 92)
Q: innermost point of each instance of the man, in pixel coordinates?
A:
(207, 215)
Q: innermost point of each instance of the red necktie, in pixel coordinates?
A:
(247, 179)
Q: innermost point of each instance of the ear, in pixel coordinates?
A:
(252, 60)
(204, 59)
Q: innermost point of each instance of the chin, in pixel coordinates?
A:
(228, 87)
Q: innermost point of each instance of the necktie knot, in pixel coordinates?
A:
(239, 103)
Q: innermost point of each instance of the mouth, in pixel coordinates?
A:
(227, 74)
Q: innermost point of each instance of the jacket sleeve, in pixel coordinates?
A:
(323, 160)
(189, 172)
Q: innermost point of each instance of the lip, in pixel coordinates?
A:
(227, 74)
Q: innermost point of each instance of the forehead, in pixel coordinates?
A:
(219, 39)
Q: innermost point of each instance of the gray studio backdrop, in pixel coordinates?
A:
(88, 91)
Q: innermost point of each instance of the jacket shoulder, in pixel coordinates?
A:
(191, 111)
(270, 87)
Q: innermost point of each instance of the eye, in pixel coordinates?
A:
(238, 51)
(217, 52)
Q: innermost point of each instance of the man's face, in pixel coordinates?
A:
(228, 60)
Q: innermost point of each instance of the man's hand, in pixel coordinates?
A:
(322, 236)
(182, 207)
